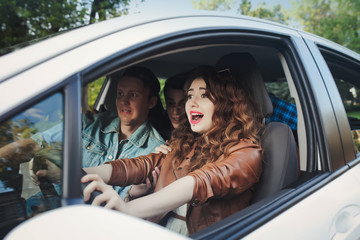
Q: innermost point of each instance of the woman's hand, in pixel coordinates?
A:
(109, 195)
(145, 188)
(165, 149)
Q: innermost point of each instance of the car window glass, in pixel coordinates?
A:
(347, 80)
(24, 137)
(91, 92)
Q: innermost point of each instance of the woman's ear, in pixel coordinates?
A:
(153, 101)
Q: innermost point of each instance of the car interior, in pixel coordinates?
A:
(284, 156)
(280, 167)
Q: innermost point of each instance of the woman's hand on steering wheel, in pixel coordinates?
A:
(109, 195)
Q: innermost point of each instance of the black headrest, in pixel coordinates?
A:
(244, 67)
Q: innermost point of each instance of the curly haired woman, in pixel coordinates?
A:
(214, 163)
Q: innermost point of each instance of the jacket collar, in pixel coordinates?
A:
(138, 138)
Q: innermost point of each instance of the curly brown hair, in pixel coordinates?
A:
(235, 117)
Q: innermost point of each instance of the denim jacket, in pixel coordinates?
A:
(100, 141)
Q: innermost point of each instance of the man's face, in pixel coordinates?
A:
(132, 102)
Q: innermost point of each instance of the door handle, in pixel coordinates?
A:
(346, 225)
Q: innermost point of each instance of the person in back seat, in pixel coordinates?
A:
(214, 163)
(283, 111)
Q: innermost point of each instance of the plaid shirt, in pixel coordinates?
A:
(283, 112)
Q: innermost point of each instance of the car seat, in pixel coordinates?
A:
(280, 162)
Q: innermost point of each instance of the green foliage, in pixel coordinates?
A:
(161, 93)
(264, 11)
(50, 16)
(213, 4)
(336, 20)
(355, 114)
(93, 91)
(25, 20)
(105, 9)
(13, 24)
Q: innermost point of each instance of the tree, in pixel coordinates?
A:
(24, 20)
(106, 9)
(13, 25)
(213, 4)
(264, 11)
(336, 20)
(51, 16)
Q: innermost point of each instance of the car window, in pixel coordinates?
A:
(347, 80)
(21, 135)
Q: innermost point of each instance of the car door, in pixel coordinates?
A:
(331, 211)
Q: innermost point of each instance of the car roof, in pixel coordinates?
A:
(52, 47)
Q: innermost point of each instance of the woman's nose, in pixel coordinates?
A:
(193, 102)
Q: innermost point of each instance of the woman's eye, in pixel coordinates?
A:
(204, 95)
(189, 96)
(120, 94)
(133, 95)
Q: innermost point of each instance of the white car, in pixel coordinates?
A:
(311, 173)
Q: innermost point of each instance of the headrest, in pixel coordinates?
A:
(243, 66)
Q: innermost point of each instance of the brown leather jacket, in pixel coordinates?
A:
(221, 188)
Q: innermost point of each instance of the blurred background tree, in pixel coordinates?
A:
(244, 7)
(336, 20)
(106, 9)
(25, 20)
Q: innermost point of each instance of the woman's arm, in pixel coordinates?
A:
(172, 196)
(169, 198)
(103, 171)
(229, 176)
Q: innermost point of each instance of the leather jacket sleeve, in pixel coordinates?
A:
(129, 171)
(228, 176)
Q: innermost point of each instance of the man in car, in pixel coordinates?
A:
(105, 136)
